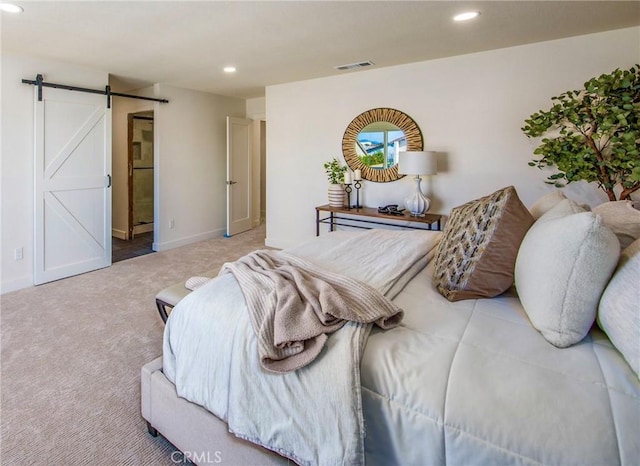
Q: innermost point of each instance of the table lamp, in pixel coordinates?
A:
(417, 163)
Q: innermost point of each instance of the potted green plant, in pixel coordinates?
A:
(335, 174)
(593, 134)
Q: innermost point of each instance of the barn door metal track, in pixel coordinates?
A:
(39, 81)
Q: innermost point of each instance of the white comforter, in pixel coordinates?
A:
(469, 382)
(472, 382)
(313, 415)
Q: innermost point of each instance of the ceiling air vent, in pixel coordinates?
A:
(353, 66)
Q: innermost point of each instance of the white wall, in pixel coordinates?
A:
(17, 175)
(190, 168)
(470, 109)
(256, 108)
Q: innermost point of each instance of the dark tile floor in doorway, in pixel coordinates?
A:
(139, 246)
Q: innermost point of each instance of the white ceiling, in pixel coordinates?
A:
(186, 44)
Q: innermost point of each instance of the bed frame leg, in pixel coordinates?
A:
(162, 309)
(152, 430)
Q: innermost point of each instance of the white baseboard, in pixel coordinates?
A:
(188, 240)
(269, 242)
(15, 285)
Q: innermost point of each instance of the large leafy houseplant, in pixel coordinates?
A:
(593, 134)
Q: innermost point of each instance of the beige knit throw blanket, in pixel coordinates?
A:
(294, 305)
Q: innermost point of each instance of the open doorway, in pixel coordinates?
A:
(137, 206)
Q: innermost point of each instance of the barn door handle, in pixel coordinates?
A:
(108, 181)
(231, 182)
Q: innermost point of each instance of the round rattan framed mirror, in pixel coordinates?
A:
(373, 139)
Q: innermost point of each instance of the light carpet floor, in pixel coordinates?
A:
(71, 354)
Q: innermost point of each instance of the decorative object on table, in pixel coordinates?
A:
(592, 134)
(391, 209)
(373, 139)
(417, 163)
(335, 174)
(357, 183)
(347, 187)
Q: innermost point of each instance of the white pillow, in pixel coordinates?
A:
(561, 209)
(622, 218)
(619, 311)
(563, 265)
(545, 203)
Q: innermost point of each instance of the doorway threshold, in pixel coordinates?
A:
(140, 245)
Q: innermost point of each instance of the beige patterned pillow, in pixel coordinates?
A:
(476, 256)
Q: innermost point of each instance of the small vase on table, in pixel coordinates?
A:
(336, 195)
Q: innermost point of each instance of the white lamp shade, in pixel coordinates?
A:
(417, 163)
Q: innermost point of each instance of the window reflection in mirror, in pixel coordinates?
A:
(378, 144)
(373, 139)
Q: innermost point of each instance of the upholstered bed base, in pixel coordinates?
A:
(201, 436)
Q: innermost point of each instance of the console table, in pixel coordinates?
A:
(337, 217)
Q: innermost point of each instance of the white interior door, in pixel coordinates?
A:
(72, 184)
(239, 179)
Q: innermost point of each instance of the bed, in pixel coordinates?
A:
(459, 381)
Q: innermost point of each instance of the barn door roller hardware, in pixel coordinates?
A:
(39, 81)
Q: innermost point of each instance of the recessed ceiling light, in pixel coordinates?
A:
(229, 69)
(10, 8)
(466, 16)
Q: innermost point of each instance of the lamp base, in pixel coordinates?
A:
(417, 204)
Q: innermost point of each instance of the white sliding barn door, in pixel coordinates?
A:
(239, 179)
(72, 184)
